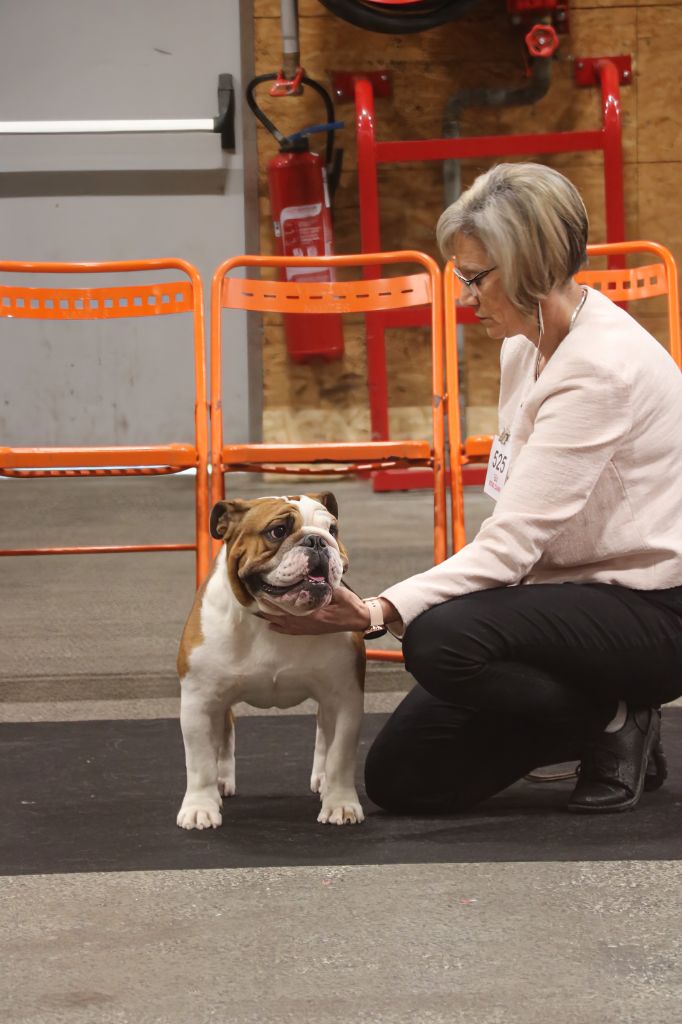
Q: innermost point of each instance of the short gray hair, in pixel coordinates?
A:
(532, 222)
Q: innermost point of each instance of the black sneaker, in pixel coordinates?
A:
(617, 766)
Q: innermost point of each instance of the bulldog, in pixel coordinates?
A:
(285, 552)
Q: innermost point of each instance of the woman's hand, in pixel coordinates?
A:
(346, 612)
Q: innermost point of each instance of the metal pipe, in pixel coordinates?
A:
(613, 156)
(291, 55)
(530, 92)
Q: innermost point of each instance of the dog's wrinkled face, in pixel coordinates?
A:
(282, 551)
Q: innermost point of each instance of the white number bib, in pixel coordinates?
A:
(498, 466)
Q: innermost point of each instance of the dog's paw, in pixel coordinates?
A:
(227, 785)
(317, 782)
(344, 811)
(199, 812)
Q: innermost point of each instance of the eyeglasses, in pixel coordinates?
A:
(473, 283)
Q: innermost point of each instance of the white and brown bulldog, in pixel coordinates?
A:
(276, 551)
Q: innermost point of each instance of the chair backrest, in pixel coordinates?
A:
(643, 282)
(76, 302)
(363, 295)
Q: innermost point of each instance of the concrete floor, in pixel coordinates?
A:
(456, 944)
(95, 637)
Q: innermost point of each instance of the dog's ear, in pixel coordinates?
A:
(225, 514)
(329, 501)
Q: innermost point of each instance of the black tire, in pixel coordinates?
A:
(415, 17)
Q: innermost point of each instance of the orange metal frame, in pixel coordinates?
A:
(104, 303)
(647, 282)
(619, 284)
(356, 296)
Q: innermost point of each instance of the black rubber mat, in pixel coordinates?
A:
(103, 796)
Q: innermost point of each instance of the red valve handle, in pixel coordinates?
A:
(542, 41)
(287, 86)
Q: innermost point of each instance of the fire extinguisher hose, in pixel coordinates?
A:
(332, 158)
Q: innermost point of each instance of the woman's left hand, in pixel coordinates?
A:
(346, 612)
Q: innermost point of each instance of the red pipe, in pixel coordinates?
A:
(377, 376)
(614, 193)
(371, 153)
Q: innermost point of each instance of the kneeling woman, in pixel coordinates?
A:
(557, 632)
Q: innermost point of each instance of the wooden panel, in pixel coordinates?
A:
(317, 384)
(660, 85)
(481, 419)
(659, 219)
(481, 367)
(589, 180)
(659, 204)
(286, 424)
(408, 358)
(576, 4)
(306, 9)
(331, 397)
(291, 423)
(315, 401)
(478, 50)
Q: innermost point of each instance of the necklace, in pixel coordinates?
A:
(571, 325)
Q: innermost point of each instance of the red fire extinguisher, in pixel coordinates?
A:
(299, 184)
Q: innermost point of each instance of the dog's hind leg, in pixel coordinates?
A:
(226, 763)
(319, 757)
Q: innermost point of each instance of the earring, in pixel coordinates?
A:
(541, 323)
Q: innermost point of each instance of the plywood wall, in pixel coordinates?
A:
(330, 400)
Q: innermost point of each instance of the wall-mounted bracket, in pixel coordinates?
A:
(586, 69)
(343, 84)
(224, 122)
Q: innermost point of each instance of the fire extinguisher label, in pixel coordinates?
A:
(306, 231)
(327, 201)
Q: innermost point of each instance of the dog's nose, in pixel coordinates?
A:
(314, 541)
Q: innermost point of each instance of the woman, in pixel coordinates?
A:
(557, 633)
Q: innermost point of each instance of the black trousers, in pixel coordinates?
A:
(517, 677)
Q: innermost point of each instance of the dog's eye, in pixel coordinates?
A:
(277, 532)
(334, 530)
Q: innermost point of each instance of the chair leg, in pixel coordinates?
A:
(203, 537)
(217, 493)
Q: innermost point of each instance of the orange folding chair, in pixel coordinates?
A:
(620, 284)
(365, 295)
(103, 303)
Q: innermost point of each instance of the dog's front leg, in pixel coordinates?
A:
(340, 802)
(202, 717)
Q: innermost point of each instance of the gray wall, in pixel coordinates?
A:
(121, 197)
